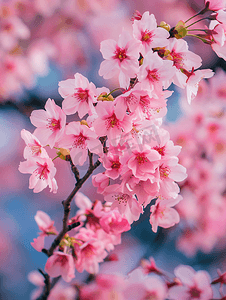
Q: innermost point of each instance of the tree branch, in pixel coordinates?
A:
(47, 286)
(67, 206)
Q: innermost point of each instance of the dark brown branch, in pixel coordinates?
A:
(73, 168)
(67, 206)
(47, 286)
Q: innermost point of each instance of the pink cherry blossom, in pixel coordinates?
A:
(163, 215)
(111, 121)
(43, 172)
(182, 59)
(50, 123)
(90, 252)
(61, 264)
(101, 181)
(140, 286)
(146, 31)
(33, 146)
(193, 82)
(124, 201)
(79, 138)
(154, 71)
(79, 95)
(143, 162)
(216, 5)
(112, 165)
(113, 222)
(196, 285)
(120, 58)
(45, 224)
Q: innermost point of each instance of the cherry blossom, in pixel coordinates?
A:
(146, 31)
(50, 123)
(154, 71)
(43, 172)
(112, 122)
(163, 215)
(196, 285)
(33, 146)
(120, 58)
(45, 224)
(79, 95)
(79, 138)
(60, 264)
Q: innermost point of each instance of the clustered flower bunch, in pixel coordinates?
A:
(124, 134)
(201, 133)
(145, 282)
(34, 32)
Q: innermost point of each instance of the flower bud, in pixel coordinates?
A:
(181, 30)
(165, 25)
(105, 97)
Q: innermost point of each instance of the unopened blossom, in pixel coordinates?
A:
(146, 31)
(50, 123)
(61, 264)
(196, 285)
(33, 146)
(45, 224)
(163, 215)
(43, 172)
(79, 138)
(79, 95)
(120, 58)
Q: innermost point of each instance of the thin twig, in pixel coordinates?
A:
(67, 206)
(47, 286)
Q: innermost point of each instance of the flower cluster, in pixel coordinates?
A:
(32, 33)
(123, 131)
(201, 133)
(145, 282)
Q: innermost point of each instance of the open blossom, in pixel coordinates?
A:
(143, 162)
(79, 95)
(113, 222)
(79, 138)
(120, 58)
(182, 58)
(33, 146)
(146, 31)
(50, 123)
(193, 82)
(43, 172)
(196, 285)
(216, 5)
(90, 252)
(60, 264)
(126, 202)
(45, 224)
(140, 286)
(111, 121)
(162, 213)
(154, 71)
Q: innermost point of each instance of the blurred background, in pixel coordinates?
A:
(43, 42)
